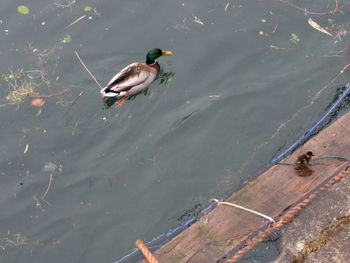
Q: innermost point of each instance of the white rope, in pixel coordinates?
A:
(243, 208)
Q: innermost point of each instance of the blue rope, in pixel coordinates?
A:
(190, 221)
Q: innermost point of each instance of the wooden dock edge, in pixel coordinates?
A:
(280, 192)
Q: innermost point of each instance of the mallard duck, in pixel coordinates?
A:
(135, 77)
(303, 160)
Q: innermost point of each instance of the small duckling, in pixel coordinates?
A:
(303, 160)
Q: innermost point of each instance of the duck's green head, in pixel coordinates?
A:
(155, 53)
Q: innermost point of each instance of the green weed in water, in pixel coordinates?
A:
(22, 9)
(294, 39)
(88, 8)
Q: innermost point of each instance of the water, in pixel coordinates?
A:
(131, 173)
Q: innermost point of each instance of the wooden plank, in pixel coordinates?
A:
(222, 229)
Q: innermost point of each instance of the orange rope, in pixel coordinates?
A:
(290, 214)
(145, 251)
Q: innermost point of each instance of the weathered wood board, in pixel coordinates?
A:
(222, 229)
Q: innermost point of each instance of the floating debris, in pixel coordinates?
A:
(197, 20)
(15, 240)
(280, 48)
(226, 6)
(87, 8)
(16, 97)
(192, 212)
(275, 28)
(69, 4)
(76, 21)
(49, 167)
(294, 39)
(26, 149)
(35, 74)
(75, 127)
(22, 9)
(47, 190)
(318, 27)
(38, 102)
(96, 12)
(67, 39)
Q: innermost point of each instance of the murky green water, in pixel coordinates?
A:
(131, 173)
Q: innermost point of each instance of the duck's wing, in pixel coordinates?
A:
(133, 75)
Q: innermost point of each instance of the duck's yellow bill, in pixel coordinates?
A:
(167, 53)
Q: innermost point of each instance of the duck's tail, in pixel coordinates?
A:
(108, 93)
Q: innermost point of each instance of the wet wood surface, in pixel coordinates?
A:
(222, 229)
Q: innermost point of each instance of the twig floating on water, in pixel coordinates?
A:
(26, 149)
(51, 95)
(275, 28)
(227, 5)
(313, 24)
(81, 61)
(76, 21)
(75, 127)
(307, 12)
(280, 48)
(25, 136)
(74, 101)
(197, 20)
(47, 190)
